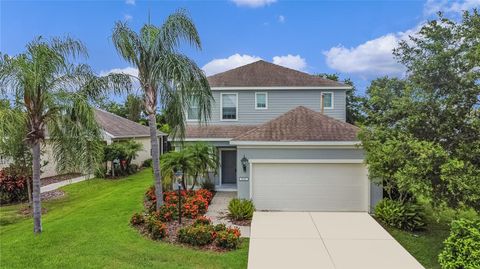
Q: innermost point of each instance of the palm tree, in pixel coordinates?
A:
(165, 73)
(176, 161)
(55, 95)
(204, 160)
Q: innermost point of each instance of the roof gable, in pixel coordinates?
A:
(119, 127)
(265, 74)
(302, 124)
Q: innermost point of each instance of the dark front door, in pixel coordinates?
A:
(229, 166)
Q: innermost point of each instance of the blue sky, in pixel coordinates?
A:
(352, 38)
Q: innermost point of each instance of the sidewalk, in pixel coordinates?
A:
(60, 184)
(217, 211)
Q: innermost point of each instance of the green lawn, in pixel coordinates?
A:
(424, 246)
(89, 229)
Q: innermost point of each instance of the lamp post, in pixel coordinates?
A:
(178, 177)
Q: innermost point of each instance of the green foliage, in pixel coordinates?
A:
(100, 172)
(125, 152)
(202, 221)
(208, 185)
(13, 130)
(462, 248)
(198, 235)
(137, 219)
(147, 163)
(421, 133)
(156, 229)
(241, 209)
(406, 216)
(228, 239)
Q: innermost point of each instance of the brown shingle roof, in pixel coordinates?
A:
(216, 131)
(120, 127)
(265, 74)
(302, 124)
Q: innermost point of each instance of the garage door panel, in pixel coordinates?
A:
(310, 187)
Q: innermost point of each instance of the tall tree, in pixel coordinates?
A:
(134, 107)
(423, 132)
(165, 73)
(354, 102)
(54, 93)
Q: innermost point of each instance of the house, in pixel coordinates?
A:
(114, 129)
(283, 141)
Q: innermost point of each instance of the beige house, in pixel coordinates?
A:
(115, 128)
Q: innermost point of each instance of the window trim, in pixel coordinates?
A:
(221, 106)
(321, 100)
(191, 120)
(266, 101)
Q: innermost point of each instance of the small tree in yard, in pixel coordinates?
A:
(422, 133)
(204, 160)
(165, 73)
(176, 161)
(54, 93)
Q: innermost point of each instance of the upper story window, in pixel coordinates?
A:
(193, 112)
(229, 105)
(261, 100)
(327, 98)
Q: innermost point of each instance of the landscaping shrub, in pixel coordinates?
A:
(194, 203)
(408, 216)
(462, 248)
(100, 172)
(167, 213)
(206, 194)
(220, 227)
(13, 185)
(241, 209)
(157, 229)
(228, 239)
(147, 163)
(137, 219)
(132, 168)
(202, 221)
(199, 235)
(208, 185)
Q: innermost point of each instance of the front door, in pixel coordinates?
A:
(229, 166)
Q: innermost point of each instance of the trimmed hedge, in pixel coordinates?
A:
(462, 248)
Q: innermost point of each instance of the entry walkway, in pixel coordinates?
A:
(326, 240)
(54, 186)
(218, 210)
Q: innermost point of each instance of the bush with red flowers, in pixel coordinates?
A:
(13, 185)
(199, 235)
(137, 219)
(228, 239)
(167, 212)
(156, 229)
(202, 220)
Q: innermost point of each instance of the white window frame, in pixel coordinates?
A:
(266, 101)
(221, 106)
(321, 100)
(191, 120)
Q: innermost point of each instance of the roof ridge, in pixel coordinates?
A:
(122, 118)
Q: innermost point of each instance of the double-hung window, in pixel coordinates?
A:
(229, 104)
(327, 99)
(261, 100)
(193, 111)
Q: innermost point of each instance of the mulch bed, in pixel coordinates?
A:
(28, 211)
(241, 222)
(50, 180)
(52, 195)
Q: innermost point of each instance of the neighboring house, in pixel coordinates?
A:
(279, 146)
(114, 129)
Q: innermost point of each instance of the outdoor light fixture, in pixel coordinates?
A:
(178, 176)
(244, 162)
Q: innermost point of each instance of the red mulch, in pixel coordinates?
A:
(51, 195)
(241, 222)
(49, 180)
(28, 211)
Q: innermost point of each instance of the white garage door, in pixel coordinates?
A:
(310, 186)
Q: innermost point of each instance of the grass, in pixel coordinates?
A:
(424, 246)
(89, 228)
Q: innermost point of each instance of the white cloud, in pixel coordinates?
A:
(130, 2)
(452, 6)
(127, 17)
(291, 61)
(371, 59)
(127, 70)
(253, 3)
(219, 65)
(281, 19)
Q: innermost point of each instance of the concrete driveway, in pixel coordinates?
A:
(327, 240)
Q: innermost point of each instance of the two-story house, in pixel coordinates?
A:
(283, 141)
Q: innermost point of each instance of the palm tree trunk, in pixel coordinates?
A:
(37, 206)
(152, 122)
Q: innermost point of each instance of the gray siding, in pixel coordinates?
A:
(243, 187)
(279, 102)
